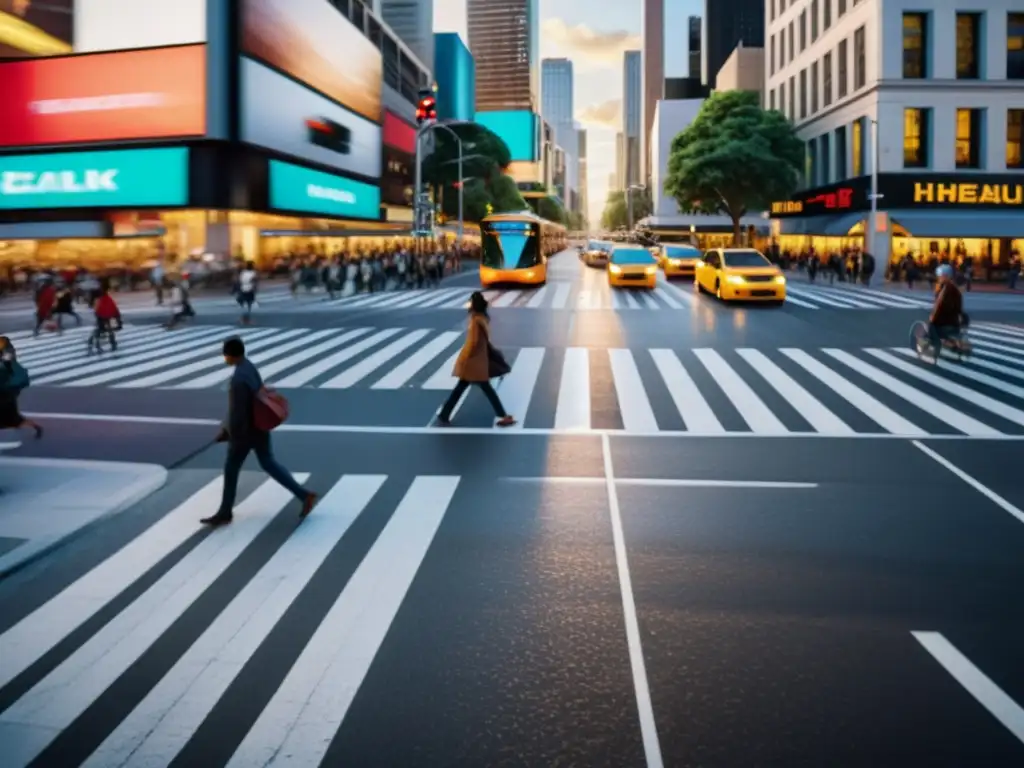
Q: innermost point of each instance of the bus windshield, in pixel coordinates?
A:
(510, 244)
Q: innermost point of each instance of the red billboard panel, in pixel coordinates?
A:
(399, 134)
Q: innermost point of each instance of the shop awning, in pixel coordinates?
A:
(964, 224)
(840, 226)
(56, 230)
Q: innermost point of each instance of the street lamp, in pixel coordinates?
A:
(874, 197)
(420, 133)
(629, 204)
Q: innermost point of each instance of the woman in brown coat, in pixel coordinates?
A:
(473, 365)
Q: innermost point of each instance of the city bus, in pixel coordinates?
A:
(516, 248)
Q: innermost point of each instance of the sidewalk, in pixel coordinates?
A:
(46, 502)
(922, 287)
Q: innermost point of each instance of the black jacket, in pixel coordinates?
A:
(245, 383)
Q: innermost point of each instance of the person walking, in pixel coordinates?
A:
(242, 436)
(247, 282)
(13, 381)
(108, 320)
(473, 365)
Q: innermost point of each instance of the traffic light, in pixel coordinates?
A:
(426, 110)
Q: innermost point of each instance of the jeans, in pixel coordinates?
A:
(237, 454)
(460, 389)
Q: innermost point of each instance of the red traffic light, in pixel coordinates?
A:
(426, 109)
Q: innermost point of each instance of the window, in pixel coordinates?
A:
(1015, 46)
(803, 31)
(814, 20)
(840, 7)
(1014, 137)
(915, 45)
(773, 10)
(792, 41)
(841, 76)
(782, 48)
(782, 98)
(803, 94)
(841, 153)
(810, 167)
(792, 98)
(771, 55)
(857, 145)
(814, 87)
(826, 158)
(968, 28)
(771, 99)
(826, 76)
(826, 15)
(968, 138)
(915, 137)
(860, 60)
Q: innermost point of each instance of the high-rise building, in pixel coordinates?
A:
(632, 117)
(455, 75)
(413, 22)
(620, 161)
(694, 56)
(725, 27)
(556, 77)
(503, 38)
(582, 179)
(653, 44)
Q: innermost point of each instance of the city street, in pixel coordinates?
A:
(719, 535)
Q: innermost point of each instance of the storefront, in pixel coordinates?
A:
(397, 169)
(925, 216)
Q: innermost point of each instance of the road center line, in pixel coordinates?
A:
(984, 490)
(648, 726)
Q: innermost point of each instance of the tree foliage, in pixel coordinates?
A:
(616, 212)
(733, 158)
(549, 208)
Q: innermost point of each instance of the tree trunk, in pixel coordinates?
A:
(735, 231)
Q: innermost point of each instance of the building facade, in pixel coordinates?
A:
(742, 71)
(653, 77)
(455, 75)
(503, 38)
(679, 88)
(726, 25)
(557, 96)
(582, 177)
(413, 22)
(620, 162)
(941, 88)
(632, 118)
(694, 50)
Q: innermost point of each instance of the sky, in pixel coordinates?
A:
(594, 34)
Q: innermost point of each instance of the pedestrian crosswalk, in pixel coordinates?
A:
(702, 390)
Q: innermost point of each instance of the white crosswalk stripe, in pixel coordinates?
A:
(710, 391)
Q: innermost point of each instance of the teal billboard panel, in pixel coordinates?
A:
(294, 188)
(519, 129)
(136, 178)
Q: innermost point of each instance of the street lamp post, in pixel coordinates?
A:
(419, 171)
(871, 226)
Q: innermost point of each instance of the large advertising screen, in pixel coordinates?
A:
(117, 179)
(149, 94)
(396, 184)
(520, 130)
(60, 27)
(280, 114)
(314, 43)
(398, 133)
(293, 188)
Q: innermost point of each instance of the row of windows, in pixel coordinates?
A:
(969, 42)
(826, 10)
(816, 91)
(820, 154)
(970, 131)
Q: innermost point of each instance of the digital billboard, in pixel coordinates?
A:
(280, 114)
(60, 27)
(149, 94)
(455, 73)
(398, 133)
(293, 188)
(117, 178)
(518, 129)
(396, 183)
(314, 43)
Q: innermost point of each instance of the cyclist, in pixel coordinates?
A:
(947, 312)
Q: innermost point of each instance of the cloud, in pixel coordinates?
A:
(607, 114)
(587, 46)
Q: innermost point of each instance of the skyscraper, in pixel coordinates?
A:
(557, 103)
(503, 38)
(632, 117)
(582, 179)
(695, 47)
(620, 161)
(653, 43)
(413, 22)
(455, 75)
(724, 28)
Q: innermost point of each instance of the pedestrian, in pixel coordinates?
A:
(247, 281)
(13, 381)
(65, 306)
(108, 320)
(181, 306)
(46, 297)
(473, 365)
(242, 435)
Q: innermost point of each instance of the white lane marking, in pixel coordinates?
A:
(1013, 330)
(935, 408)
(311, 703)
(561, 297)
(631, 302)
(753, 410)
(53, 704)
(981, 488)
(583, 299)
(460, 294)
(660, 482)
(964, 370)
(649, 302)
(173, 710)
(399, 376)
(617, 300)
(686, 297)
(641, 686)
(694, 410)
(819, 298)
(977, 683)
(506, 299)
(791, 299)
(863, 298)
(635, 407)
(1014, 344)
(811, 409)
(352, 376)
(75, 350)
(268, 371)
(573, 409)
(516, 390)
(667, 298)
(305, 375)
(442, 377)
(538, 297)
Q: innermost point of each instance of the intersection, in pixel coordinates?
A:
(718, 536)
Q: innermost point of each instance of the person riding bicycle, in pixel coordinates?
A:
(947, 312)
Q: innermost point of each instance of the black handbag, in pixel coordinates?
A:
(497, 365)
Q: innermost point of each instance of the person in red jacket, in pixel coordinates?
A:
(45, 299)
(108, 320)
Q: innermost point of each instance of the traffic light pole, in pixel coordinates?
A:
(420, 132)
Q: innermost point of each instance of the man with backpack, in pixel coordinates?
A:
(252, 412)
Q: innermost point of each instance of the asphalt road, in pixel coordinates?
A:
(722, 536)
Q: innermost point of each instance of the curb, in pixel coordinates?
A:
(144, 486)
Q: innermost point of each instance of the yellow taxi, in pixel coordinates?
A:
(632, 266)
(678, 260)
(595, 254)
(740, 274)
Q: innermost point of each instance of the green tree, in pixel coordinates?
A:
(549, 208)
(505, 195)
(476, 198)
(733, 158)
(616, 212)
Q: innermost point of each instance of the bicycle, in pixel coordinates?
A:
(959, 344)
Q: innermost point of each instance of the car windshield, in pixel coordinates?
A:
(744, 259)
(681, 252)
(594, 245)
(632, 256)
